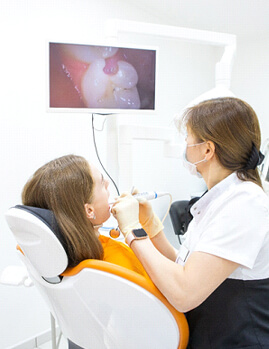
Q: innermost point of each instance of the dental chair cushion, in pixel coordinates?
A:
(49, 219)
(34, 229)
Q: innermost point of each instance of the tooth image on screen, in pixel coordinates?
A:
(101, 77)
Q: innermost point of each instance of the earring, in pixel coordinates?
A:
(94, 216)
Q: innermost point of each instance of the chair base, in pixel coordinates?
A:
(72, 345)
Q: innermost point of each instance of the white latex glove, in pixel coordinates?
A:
(126, 212)
(149, 220)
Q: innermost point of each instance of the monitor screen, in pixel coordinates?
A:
(101, 78)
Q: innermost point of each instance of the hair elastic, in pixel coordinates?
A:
(255, 159)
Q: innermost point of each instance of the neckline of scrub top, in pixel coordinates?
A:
(218, 189)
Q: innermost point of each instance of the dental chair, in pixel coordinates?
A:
(180, 215)
(97, 305)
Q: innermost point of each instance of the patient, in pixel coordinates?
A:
(77, 194)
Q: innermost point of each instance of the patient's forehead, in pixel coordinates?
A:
(95, 173)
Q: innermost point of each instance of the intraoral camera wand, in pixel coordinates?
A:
(148, 195)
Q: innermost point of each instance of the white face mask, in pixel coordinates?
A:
(191, 166)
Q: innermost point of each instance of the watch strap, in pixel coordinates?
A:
(135, 234)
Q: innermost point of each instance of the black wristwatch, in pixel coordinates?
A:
(136, 234)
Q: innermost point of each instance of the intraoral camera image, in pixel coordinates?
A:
(105, 77)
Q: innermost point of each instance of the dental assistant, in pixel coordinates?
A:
(219, 277)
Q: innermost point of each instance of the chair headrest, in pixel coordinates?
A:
(38, 235)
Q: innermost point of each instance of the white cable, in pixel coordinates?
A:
(152, 195)
(170, 203)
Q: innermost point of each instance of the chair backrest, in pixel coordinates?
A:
(178, 216)
(37, 233)
(96, 304)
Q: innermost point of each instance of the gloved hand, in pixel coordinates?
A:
(149, 220)
(126, 212)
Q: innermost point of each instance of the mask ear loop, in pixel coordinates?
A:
(194, 145)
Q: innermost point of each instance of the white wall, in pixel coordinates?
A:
(251, 77)
(29, 136)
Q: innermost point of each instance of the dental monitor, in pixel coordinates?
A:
(101, 79)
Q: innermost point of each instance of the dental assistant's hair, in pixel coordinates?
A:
(232, 125)
(63, 186)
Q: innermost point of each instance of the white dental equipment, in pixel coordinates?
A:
(151, 195)
(148, 195)
(126, 134)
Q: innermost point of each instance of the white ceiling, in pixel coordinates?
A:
(245, 18)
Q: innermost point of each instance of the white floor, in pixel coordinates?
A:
(48, 345)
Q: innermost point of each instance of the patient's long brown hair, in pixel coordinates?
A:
(63, 186)
(232, 125)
